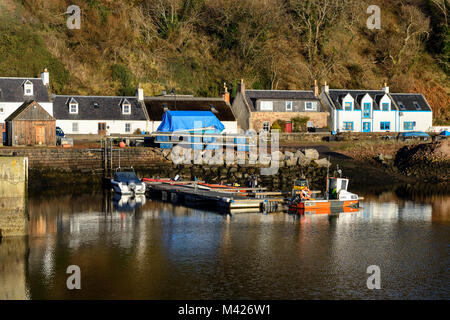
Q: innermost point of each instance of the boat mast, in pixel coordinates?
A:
(328, 173)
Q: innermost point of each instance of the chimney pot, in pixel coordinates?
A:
(226, 94)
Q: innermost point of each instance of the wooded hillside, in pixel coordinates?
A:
(195, 46)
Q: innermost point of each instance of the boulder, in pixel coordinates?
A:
(312, 154)
(278, 155)
(323, 162)
(302, 161)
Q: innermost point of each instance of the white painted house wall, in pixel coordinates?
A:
(6, 108)
(423, 119)
(380, 116)
(91, 126)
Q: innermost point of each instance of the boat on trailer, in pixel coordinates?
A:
(126, 182)
(335, 199)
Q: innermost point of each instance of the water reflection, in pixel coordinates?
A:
(145, 249)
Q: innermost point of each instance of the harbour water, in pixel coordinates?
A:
(146, 249)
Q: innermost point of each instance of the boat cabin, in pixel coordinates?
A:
(335, 185)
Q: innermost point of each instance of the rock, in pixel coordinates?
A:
(289, 154)
(302, 160)
(323, 162)
(265, 159)
(312, 154)
(278, 155)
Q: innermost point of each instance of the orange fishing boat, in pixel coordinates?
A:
(335, 199)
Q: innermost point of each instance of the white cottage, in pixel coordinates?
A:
(102, 115)
(376, 110)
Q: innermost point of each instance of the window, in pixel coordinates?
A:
(348, 106)
(126, 108)
(400, 104)
(408, 125)
(367, 107)
(288, 105)
(310, 124)
(266, 105)
(417, 106)
(73, 107)
(385, 106)
(348, 125)
(385, 125)
(266, 126)
(2, 110)
(311, 106)
(28, 88)
(127, 127)
(74, 126)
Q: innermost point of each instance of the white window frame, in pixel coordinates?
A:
(266, 106)
(289, 103)
(126, 105)
(75, 127)
(28, 86)
(73, 104)
(313, 106)
(128, 124)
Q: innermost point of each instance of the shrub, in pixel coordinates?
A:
(299, 123)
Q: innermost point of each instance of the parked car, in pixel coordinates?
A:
(59, 132)
(420, 135)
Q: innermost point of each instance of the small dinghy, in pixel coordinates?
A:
(125, 181)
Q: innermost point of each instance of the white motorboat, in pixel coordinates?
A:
(125, 181)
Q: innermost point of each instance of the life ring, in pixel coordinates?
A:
(305, 194)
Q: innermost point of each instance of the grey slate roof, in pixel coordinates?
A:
(337, 96)
(11, 90)
(155, 106)
(97, 108)
(253, 95)
(408, 100)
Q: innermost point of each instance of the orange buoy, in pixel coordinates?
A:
(122, 144)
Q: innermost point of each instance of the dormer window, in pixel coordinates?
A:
(401, 105)
(348, 106)
(385, 106)
(417, 106)
(28, 88)
(73, 106)
(126, 107)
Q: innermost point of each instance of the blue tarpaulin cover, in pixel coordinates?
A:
(445, 133)
(189, 120)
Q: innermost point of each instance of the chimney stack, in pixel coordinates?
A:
(316, 89)
(140, 93)
(241, 87)
(226, 94)
(326, 88)
(385, 88)
(45, 76)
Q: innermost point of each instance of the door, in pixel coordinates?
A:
(102, 128)
(366, 126)
(288, 127)
(40, 135)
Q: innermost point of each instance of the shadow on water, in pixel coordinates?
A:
(137, 248)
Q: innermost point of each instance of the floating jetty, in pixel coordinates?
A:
(226, 199)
